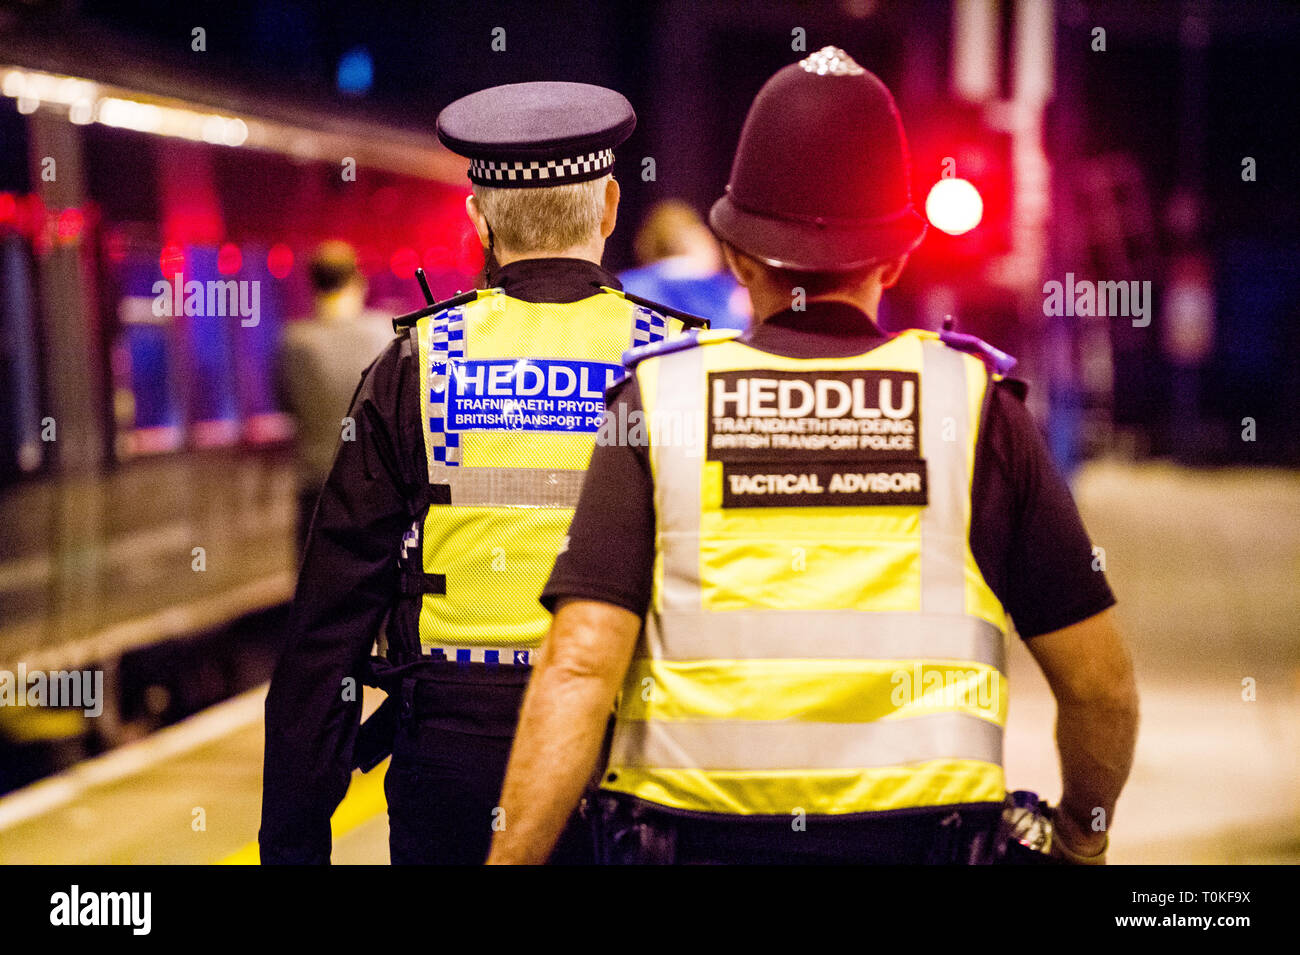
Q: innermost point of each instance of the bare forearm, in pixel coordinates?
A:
(561, 726)
(1096, 742)
(1091, 675)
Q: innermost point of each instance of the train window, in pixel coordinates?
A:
(22, 450)
(145, 363)
(231, 342)
(196, 364)
(255, 350)
(214, 412)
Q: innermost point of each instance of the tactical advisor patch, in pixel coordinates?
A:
(817, 439)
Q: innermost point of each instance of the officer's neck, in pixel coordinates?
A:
(588, 251)
(771, 300)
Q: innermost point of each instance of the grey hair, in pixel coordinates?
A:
(546, 219)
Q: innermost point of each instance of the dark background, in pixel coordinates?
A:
(1184, 90)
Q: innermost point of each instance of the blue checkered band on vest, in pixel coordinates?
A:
(492, 656)
(648, 327)
(447, 343)
(552, 170)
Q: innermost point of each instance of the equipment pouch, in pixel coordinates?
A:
(629, 834)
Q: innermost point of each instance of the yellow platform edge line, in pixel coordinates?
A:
(364, 801)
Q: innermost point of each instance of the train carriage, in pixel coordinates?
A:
(146, 481)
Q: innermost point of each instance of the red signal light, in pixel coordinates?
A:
(279, 260)
(229, 259)
(954, 206)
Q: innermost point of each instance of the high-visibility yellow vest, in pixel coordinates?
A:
(820, 638)
(511, 399)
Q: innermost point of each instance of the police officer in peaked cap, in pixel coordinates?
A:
(474, 428)
(804, 580)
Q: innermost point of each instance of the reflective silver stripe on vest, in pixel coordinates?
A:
(943, 522)
(792, 745)
(825, 634)
(679, 398)
(509, 487)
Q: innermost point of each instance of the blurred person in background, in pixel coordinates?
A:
(319, 367)
(681, 266)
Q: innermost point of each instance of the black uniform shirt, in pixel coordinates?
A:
(1025, 531)
(348, 580)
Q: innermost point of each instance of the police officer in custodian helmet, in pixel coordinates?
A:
(803, 581)
(473, 430)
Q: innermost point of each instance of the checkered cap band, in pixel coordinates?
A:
(551, 172)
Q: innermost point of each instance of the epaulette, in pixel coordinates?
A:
(682, 342)
(997, 360)
(410, 318)
(686, 318)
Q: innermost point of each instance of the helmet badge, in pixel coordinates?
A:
(831, 61)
